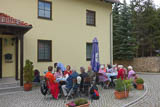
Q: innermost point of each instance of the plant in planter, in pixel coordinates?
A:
(139, 83)
(78, 103)
(128, 84)
(28, 75)
(122, 88)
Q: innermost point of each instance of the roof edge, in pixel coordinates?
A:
(112, 1)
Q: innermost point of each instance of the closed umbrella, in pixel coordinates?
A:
(95, 56)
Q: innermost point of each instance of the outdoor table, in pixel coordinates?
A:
(111, 77)
(61, 79)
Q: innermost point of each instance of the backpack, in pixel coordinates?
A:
(94, 92)
(44, 87)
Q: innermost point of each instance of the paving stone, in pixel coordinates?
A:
(34, 98)
(152, 99)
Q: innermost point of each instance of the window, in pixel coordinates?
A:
(44, 50)
(44, 9)
(91, 18)
(88, 51)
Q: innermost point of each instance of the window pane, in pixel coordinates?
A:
(90, 17)
(41, 13)
(41, 5)
(89, 50)
(44, 50)
(41, 56)
(47, 6)
(47, 14)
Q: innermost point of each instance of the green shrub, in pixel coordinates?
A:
(80, 101)
(139, 81)
(28, 72)
(121, 85)
(128, 84)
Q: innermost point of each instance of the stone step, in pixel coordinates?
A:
(6, 85)
(10, 87)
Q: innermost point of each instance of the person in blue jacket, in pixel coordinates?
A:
(69, 83)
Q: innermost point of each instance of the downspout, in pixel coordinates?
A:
(111, 39)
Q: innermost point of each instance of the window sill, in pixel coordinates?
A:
(45, 18)
(44, 60)
(91, 25)
(88, 59)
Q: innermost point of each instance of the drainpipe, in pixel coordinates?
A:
(111, 39)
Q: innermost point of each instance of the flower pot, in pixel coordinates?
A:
(84, 105)
(140, 86)
(27, 86)
(120, 95)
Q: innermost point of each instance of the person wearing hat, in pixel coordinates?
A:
(131, 73)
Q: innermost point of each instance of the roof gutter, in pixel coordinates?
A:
(11, 25)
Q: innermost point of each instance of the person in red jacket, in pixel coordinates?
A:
(51, 82)
(121, 72)
(68, 70)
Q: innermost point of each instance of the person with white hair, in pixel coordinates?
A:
(131, 73)
(103, 78)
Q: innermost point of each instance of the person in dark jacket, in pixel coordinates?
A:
(69, 83)
(83, 75)
(36, 76)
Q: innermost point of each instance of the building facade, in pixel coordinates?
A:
(60, 31)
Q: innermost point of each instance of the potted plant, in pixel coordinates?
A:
(78, 103)
(139, 83)
(128, 84)
(122, 88)
(28, 75)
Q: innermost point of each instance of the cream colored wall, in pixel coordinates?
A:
(68, 30)
(8, 69)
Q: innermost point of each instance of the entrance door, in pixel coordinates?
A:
(0, 57)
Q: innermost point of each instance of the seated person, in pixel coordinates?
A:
(109, 70)
(82, 75)
(121, 72)
(131, 73)
(52, 85)
(114, 68)
(69, 83)
(58, 73)
(59, 76)
(68, 71)
(103, 77)
(90, 72)
(36, 76)
(60, 65)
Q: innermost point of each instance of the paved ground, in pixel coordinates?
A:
(36, 99)
(152, 98)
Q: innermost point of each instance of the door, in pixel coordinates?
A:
(0, 57)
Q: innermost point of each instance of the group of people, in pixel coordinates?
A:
(60, 79)
(124, 73)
